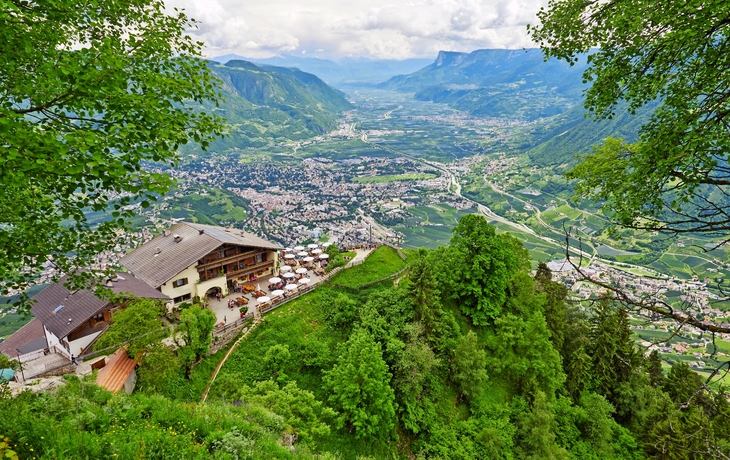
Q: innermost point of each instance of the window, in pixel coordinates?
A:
(182, 298)
(259, 258)
(180, 282)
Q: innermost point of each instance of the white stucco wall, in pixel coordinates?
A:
(82, 342)
(191, 273)
(219, 282)
(29, 356)
(55, 342)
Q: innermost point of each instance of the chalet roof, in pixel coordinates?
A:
(160, 259)
(28, 338)
(61, 310)
(117, 371)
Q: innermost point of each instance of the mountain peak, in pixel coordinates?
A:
(241, 64)
(447, 58)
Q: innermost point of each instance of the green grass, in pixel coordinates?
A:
(11, 322)
(297, 324)
(340, 260)
(722, 346)
(382, 262)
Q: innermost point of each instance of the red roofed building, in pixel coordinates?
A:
(119, 372)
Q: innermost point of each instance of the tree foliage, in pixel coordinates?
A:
(479, 263)
(193, 335)
(656, 373)
(7, 363)
(359, 386)
(468, 368)
(613, 350)
(413, 375)
(276, 358)
(521, 351)
(675, 177)
(555, 307)
(158, 368)
(537, 431)
(341, 311)
(306, 416)
(139, 324)
(91, 92)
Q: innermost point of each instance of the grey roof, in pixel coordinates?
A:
(28, 338)
(80, 305)
(37, 344)
(160, 259)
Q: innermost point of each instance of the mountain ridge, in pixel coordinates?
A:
(484, 81)
(266, 104)
(347, 72)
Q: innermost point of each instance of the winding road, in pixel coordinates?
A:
(455, 188)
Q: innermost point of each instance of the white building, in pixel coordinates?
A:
(190, 260)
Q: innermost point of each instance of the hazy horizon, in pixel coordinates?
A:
(379, 29)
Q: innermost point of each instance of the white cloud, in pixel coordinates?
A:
(395, 29)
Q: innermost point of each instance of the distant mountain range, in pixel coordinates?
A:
(347, 72)
(520, 84)
(265, 104)
(496, 83)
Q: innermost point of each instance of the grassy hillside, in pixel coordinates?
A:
(382, 262)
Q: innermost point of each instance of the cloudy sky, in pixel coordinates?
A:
(381, 29)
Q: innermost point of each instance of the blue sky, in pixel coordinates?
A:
(377, 29)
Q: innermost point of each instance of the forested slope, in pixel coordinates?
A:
(567, 136)
(469, 357)
(266, 104)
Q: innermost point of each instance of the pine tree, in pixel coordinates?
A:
(613, 352)
(577, 361)
(577, 372)
(359, 386)
(656, 373)
(537, 431)
(682, 383)
(424, 291)
(555, 308)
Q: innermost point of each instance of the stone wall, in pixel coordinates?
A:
(224, 336)
(69, 368)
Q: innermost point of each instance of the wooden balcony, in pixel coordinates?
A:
(207, 262)
(87, 329)
(249, 269)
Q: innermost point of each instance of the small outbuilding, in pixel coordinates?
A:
(119, 372)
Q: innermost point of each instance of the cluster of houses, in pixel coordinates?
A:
(186, 261)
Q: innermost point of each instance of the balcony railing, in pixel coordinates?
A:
(235, 273)
(205, 263)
